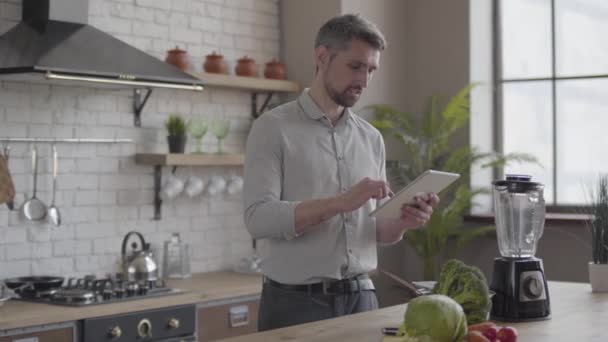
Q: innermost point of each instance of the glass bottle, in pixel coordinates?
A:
(176, 261)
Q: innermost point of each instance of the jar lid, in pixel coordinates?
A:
(214, 55)
(274, 61)
(177, 50)
(245, 59)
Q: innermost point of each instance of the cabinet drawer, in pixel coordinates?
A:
(55, 335)
(227, 320)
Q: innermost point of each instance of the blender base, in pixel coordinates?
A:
(521, 290)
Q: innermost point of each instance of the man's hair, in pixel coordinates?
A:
(338, 32)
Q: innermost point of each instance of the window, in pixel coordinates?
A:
(551, 76)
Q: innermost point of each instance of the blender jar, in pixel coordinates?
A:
(520, 215)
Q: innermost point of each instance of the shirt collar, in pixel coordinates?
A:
(313, 111)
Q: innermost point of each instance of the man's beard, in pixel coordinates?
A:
(342, 98)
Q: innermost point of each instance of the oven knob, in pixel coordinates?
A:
(173, 323)
(115, 333)
(144, 328)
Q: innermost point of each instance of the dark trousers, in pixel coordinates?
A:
(282, 308)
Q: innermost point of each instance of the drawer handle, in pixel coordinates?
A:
(239, 316)
(29, 339)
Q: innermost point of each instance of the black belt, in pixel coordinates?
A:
(333, 287)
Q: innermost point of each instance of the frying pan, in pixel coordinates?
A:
(40, 283)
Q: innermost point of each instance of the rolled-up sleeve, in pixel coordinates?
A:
(266, 215)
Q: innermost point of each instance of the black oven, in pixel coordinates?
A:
(165, 324)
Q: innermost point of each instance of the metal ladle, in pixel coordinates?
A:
(34, 209)
(53, 210)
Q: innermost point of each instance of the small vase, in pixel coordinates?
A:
(177, 57)
(215, 64)
(177, 144)
(246, 67)
(275, 70)
(598, 277)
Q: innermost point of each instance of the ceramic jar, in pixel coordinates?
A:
(177, 57)
(215, 64)
(246, 67)
(275, 70)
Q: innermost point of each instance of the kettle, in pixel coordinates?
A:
(140, 265)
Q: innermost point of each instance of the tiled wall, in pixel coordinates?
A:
(102, 193)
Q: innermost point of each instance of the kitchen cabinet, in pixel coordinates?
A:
(41, 334)
(237, 318)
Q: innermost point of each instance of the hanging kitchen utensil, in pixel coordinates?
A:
(54, 214)
(7, 188)
(34, 209)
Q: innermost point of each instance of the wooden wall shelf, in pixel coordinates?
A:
(158, 160)
(179, 159)
(255, 84)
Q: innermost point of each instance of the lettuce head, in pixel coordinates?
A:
(433, 318)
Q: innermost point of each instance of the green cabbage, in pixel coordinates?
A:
(433, 318)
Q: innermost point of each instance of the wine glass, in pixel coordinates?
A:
(220, 128)
(198, 129)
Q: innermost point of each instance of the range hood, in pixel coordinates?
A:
(54, 42)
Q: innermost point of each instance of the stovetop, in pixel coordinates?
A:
(91, 291)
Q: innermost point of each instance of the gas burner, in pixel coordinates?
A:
(77, 296)
(33, 294)
(90, 291)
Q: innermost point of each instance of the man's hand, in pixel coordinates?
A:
(417, 215)
(362, 192)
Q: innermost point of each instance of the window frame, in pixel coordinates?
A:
(498, 82)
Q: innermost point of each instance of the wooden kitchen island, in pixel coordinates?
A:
(577, 315)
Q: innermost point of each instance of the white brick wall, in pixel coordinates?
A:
(102, 193)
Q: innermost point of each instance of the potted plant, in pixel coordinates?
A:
(426, 139)
(598, 224)
(176, 133)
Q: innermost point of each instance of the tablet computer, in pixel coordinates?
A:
(429, 181)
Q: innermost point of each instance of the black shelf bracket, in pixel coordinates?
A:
(139, 103)
(255, 112)
(158, 202)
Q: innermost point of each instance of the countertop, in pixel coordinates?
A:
(577, 315)
(204, 288)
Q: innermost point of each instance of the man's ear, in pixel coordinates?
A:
(322, 57)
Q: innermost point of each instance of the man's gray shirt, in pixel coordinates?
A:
(293, 155)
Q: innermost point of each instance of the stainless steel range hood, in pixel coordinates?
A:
(54, 42)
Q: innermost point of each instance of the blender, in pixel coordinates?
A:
(518, 278)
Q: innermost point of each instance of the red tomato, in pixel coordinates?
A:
(491, 333)
(507, 334)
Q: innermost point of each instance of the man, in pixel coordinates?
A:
(313, 173)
